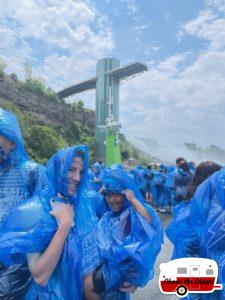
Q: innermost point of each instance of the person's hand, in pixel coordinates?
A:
(63, 213)
(127, 287)
(129, 194)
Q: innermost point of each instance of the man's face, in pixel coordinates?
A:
(5, 147)
(115, 201)
(74, 175)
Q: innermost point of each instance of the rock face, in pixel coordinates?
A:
(50, 112)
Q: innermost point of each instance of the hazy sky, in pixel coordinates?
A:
(181, 97)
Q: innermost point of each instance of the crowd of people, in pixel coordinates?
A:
(195, 197)
(68, 231)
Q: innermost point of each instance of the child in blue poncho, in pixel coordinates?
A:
(129, 236)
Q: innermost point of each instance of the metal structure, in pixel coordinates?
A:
(109, 75)
(112, 142)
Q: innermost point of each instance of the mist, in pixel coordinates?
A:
(168, 152)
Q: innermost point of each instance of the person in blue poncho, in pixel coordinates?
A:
(181, 230)
(169, 186)
(95, 176)
(138, 175)
(192, 166)
(207, 215)
(179, 160)
(182, 179)
(186, 229)
(20, 178)
(98, 198)
(146, 183)
(56, 231)
(129, 236)
(158, 189)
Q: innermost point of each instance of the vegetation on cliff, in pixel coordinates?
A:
(49, 123)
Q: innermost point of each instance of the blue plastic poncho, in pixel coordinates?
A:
(146, 181)
(170, 177)
(192, 167)
(169, 186)
(205, 222)
(185, 239)
(95, 176)
(116, 166)
(98, 202)
(19, 180)
(163, 167)
(181, 181)
(159, 179)
(138, 175)
(198, 223)
(204, 199)
(29, 228)
(9, 128)
(208, 214)
(128, 244)
(158, 188)
(19, 177)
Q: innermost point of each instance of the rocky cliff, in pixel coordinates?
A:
(49, 112)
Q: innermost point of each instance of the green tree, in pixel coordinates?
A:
(80, 104)
(44, 142)
(72, 133)
(14, 77)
